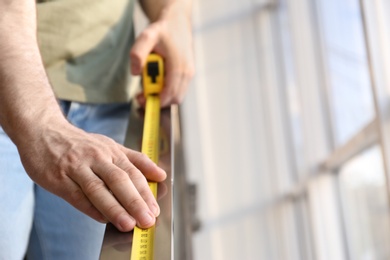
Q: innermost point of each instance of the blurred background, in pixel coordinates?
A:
(286, 129)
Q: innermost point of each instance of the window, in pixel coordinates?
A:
(350, 93)
(365, 206)
(290, 152)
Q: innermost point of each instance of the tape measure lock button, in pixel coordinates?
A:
(153, 75)
(153, 71)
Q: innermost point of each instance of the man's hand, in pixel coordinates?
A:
(92, 172)
(169, 35)
(99, 177)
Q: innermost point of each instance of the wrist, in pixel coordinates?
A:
(165, 10)
(27, 127)
(176, 9)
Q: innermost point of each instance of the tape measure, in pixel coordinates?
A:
(153, 81)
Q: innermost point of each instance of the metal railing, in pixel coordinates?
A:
(176, 197)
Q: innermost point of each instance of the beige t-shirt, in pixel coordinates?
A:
(85, 47)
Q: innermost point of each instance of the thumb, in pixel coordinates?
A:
(144, 44)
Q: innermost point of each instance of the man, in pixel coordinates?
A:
(84, 45)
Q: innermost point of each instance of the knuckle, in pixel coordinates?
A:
(105, 140)
(160, 24)
(177, 72)
(134, 173)
(119, 158)
(143, 157)
(146, 193)
(61, 192)
(176, 100)
(148, 34)
(76, 198)
(138, 177)
(70, 159)
(101, 154)
(134, 56)
(94, 186)
(109, 141)
(129, 169)
(135, 204)
(116, 177)
(128, 153)
(114, 211)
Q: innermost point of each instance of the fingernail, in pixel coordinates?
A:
(155, 209)
(126, 222)
(147, 219)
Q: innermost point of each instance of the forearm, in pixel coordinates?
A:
(26, 98)
(155, 9)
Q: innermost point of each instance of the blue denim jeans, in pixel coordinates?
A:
(38, 223)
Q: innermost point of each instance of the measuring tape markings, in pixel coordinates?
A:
(153, 73)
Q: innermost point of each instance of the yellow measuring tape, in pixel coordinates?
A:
(153, 81)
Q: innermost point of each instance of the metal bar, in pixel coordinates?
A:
(376, 25)
(362, 140)
(117, 245)
(183, 213)
(223, 20)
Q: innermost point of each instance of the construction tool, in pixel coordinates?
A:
(153, 81)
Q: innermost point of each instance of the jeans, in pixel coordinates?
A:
(38, 224)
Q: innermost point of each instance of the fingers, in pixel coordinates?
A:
(98, 177)
(126, 193)
(115, 189)
(176, 84)
(141, 99)
(141, 169)
(143, 45)
(141, 184)
(99, 195)
(104, 201)
(172, 88)
(76, 197)
(175, 88)
(177, 53)
(149, 169)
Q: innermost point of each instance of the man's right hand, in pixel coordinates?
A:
(96, 175)
(93, 173)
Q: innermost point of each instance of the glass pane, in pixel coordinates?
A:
(365, 206)
(345, 57)
(304, 229)
(291, 89)
(291, 236)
